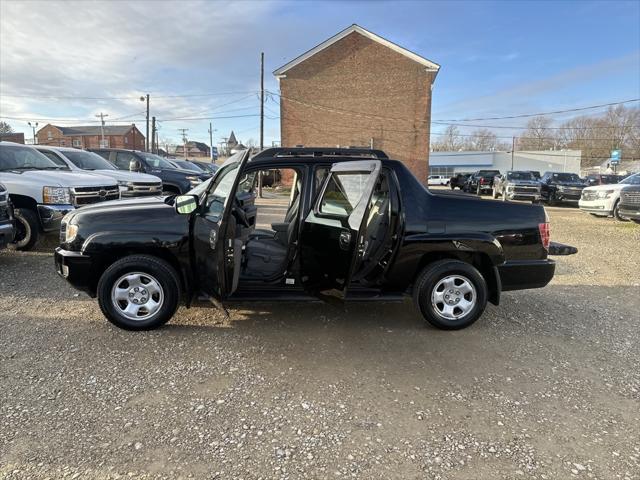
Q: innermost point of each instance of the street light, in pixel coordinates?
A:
(33, 127)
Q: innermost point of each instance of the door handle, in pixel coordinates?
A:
(213, 236)
(345, 239)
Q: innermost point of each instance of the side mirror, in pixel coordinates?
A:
(186, 204)
(135, 166)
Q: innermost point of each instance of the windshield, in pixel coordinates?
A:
(87, 160)
(566, 177)
(24, 158)
(632, 180)
(187, 165)
(520, 176)
(155, 161)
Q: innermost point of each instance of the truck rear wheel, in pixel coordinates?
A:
(139, 292)
(450, 294)
(27, 229)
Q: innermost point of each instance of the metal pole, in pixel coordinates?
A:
(261, 119)
(211, 142)
(513, 148)
(101, 116)
(153, 134)
(147, 139)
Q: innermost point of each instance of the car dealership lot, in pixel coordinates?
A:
(545, 386)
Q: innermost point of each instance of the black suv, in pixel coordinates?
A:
(174, 180)
(357, 226)
(559, 187)
(480, 182)
(630, 203)
(6, 218)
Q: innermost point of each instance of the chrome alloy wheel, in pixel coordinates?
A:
(137, 296)
(453, 297)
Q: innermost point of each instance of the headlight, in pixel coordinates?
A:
(605, 193)
(71, 232)
(123, 183)
(56, 195)
(194, 180)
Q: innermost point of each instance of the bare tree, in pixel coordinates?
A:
(449, 141)
(538, 135)
(5, 128)
(482, 140)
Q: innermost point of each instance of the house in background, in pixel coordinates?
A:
(12, 137)
(194, 150)
(359, 89)
(115, 136)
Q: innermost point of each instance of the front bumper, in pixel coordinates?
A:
(6, 234)
(51, 216)
(598, 206)
(632, 212)
(533, 197)
(75, 268)
(521, 275)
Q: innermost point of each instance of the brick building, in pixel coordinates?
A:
(194, 150)
(12, 137)
(115, 136)
(359, 89)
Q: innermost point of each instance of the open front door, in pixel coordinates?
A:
(332, 239)
(215, 227)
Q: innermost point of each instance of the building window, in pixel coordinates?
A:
(49, 135)
(63, 143)
(126, 140)
(446, 171)
(77, 143)
(104, 143)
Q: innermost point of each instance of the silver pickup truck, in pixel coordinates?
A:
(517, 185)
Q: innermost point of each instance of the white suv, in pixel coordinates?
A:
(437, 180)
(42, 193)
(132, 184)
(603, 200)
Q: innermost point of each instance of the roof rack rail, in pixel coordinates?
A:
(321, 152)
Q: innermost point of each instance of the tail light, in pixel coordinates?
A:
(545, 234)
(483, 180)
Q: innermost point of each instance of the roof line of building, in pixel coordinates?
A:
(431, 66)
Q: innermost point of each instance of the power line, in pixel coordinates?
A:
(72, 97)
(525, 115)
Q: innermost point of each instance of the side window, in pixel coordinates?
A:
(123, 159)
(343, 192)
(320, 176)
(54, 158)
(217, 196)
(103, 154)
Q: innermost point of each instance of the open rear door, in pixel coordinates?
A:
(332, 239)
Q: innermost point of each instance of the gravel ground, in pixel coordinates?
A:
(545, 386)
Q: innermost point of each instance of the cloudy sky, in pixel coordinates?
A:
(199, 59)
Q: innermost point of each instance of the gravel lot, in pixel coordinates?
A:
(545, 386)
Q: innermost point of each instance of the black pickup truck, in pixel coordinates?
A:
(557, 187)
(360, 227)
(480, 182)
(174, 180)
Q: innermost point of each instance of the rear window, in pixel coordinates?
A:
(343, 192)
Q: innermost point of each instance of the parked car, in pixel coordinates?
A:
(42, 193)
(368, 230)
(206, 166)
(458, 180)
(186, 165)
(604, 200)
(131, 184)
(630, 203)
(174, 180)
(561, 187)
(516, 185)
(437, 180)
(6, 218)
(602, 179)
(480, 182)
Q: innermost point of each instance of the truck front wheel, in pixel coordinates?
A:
(450, 294)
(139, 292)
(27, 229)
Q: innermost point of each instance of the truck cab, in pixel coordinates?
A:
(357, 226)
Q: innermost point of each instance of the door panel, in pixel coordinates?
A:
(332, 238)
(216, 251)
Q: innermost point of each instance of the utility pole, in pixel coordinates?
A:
(513, 148)
(33, 127)
(142, 99)
(184, 140)
(101, 117)
(153, 134)
(261, 118)
(211, 142)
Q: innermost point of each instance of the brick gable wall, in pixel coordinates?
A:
(357, 74)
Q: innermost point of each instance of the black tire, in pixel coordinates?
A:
(160, 271)
(27, 229)
(429, 279)
(453, 187)
(616, 213)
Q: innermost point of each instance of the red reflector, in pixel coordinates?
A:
(545, 234)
